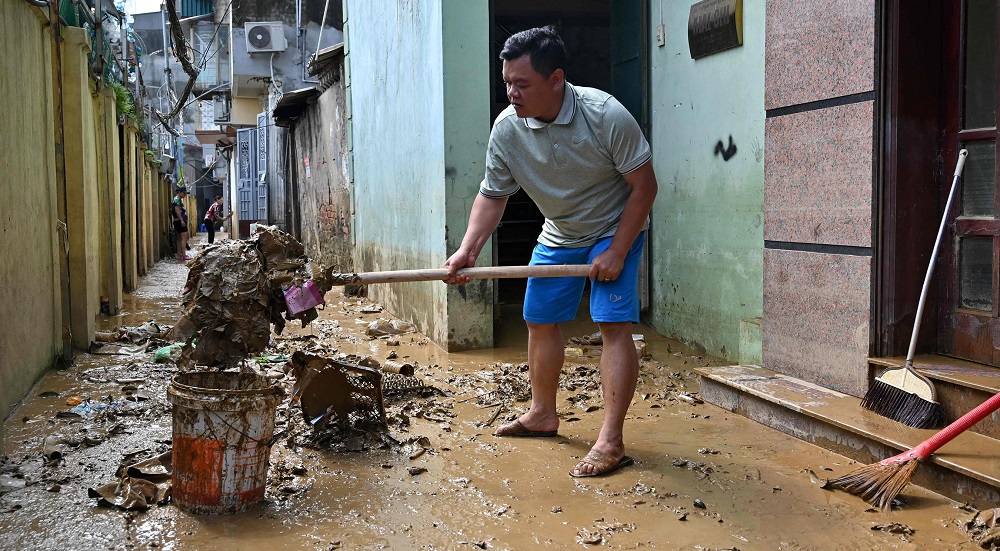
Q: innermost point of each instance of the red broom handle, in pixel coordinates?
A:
(945, 435)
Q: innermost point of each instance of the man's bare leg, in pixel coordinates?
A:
(545, 360)
(619, 375)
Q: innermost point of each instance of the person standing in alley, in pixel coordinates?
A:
(583, 160)
(214, 217)
(179, 217)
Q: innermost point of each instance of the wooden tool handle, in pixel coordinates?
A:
(440, 274)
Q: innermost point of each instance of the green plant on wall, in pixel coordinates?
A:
(151, 158)
(123, 100)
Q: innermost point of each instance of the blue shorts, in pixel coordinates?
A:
(557, 299)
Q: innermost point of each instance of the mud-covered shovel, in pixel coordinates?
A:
(441, 274)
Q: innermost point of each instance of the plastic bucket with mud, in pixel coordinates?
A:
(222, 429)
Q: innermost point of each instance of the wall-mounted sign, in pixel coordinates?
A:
(714, 26)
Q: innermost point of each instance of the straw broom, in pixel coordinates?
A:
(880, 483)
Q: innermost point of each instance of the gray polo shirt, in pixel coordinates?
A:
(571, 168)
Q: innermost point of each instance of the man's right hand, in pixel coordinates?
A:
(485, 215)
(463, 258)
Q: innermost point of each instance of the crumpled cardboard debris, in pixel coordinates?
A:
(593, 345)
(235, 291)
(141, 485)
(984, 527)
(595, 339)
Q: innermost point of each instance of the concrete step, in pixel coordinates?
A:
(961, 385)
(967, 469)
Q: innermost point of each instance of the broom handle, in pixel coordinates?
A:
(486, 272)
(962, 155)
(947, 434)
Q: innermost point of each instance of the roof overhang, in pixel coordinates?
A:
(217, 137)
(324, 58)
(292, 104)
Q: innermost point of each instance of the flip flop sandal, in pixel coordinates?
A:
(603, 464)
(518, 430)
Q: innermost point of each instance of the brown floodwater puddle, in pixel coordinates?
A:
(477, 490)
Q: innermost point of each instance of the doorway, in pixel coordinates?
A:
(971, 286)
(606, 49)
(940, 94)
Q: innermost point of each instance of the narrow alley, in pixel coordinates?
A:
(273, 273)
(703, 475)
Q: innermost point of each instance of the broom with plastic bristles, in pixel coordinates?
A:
(880, 483)
(900, 393)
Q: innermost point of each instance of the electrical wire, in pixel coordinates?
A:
(181, 48)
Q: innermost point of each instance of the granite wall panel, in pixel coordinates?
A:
(818, 176)
(818, 50)
(817, 314)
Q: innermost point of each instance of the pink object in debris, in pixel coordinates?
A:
(299, 299)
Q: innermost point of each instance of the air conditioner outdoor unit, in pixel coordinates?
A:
(266, 36)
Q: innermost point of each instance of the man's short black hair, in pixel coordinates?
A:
(217, 197)
(543, 44)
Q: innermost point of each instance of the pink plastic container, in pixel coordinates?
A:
(299, 299)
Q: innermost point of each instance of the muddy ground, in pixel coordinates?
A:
(704, 478)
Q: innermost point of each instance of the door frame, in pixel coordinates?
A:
(910, 111)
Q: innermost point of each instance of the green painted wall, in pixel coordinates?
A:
(706, 246)
(467, 132)
(30, 329)
(418, 105)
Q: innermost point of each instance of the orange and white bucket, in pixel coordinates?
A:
(222, 429)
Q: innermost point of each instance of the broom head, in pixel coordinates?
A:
(902, 394)
(877, 483)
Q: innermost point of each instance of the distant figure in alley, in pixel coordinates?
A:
(179, 217)
(582, 158)
(214, 217)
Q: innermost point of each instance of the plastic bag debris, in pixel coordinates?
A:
(9, 484)
(382, 327)
(90, 408)
(171, 352)
(300, 298)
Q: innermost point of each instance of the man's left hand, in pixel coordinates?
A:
(607, 266)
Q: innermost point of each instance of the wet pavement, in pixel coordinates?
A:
(704, 478)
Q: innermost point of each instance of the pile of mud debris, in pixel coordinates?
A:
(236, 290)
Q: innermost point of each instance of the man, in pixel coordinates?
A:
(178, 214)
(213, 217)
(582, 158)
